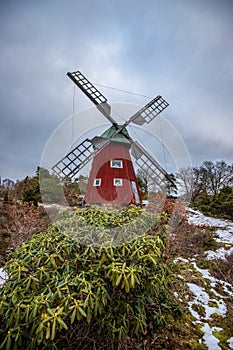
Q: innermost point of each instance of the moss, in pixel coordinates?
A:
(199, 326)
(203, 264)
(213, 228)
(225, 323)
(199, 309)
(210, 243)
(197, 346)
(223, 337)
(216, 317)
(213, 304)
(179, 333)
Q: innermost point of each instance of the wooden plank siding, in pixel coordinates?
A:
(101, 168)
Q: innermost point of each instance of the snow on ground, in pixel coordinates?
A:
(3, 277)
(220, 253)
(215, 303)
(230, 342)
(209, 339)
(54, 206)
(202, 298)
(224, 227)
(224, 232)
(227, 287)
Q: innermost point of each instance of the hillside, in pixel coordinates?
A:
(200, 253)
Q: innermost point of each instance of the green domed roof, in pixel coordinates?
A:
(119, 137)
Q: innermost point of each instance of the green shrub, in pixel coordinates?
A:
(61, 289)
(219, 205)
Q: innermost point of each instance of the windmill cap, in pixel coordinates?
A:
(119, 137)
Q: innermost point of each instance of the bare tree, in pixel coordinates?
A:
(208, 179)
(185, 180)
(219, 175)
(191, 182)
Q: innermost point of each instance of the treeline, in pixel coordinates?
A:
(209, 187)
(43, 187)
(208, 179)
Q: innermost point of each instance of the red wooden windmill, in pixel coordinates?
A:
(112, 177)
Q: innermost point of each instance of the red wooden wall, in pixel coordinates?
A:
(107, 193)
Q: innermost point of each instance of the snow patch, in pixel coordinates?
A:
(186, 261)
(209, 339)
(230, 342)
(227, 287)
(225, 236)
(54, 206)
(3, 277)
(202, 298)
(225, 227)
(220, 253)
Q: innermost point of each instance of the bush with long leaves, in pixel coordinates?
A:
(59, 284)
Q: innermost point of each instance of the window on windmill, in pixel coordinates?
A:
(97, 182)
(115, 163)
(117, 182)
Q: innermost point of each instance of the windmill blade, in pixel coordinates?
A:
(80, 156)
(147, 162)
(74, 161)
(147, 113)
(92, 93)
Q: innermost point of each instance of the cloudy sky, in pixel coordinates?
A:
(180, 49)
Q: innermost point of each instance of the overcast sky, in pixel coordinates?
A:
(182, 50)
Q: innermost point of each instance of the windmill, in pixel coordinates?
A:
(112, 177)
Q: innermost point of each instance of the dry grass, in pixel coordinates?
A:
(190, 241)
(18, 222)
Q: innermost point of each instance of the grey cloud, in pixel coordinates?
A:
(182, 50)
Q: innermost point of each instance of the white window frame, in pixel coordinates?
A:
(97, 182)
(117, 182)
(116, 161)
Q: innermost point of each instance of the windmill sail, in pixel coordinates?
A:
(75, 160)
(79, 157)
(92, 93)
(146, 162)
(147, 113)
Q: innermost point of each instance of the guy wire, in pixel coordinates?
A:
(125, 91)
